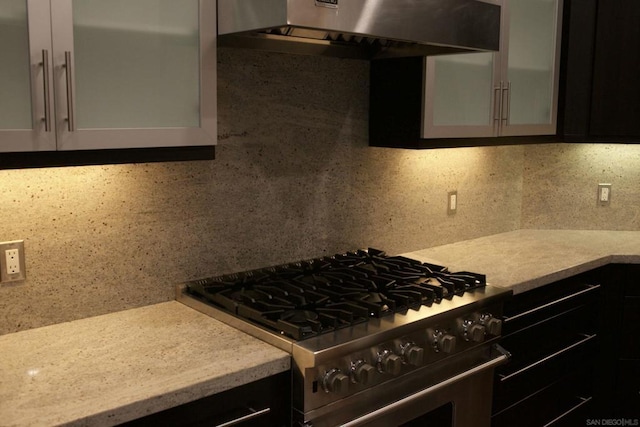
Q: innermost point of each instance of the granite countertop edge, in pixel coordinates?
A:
(523, 260)
(109, 369)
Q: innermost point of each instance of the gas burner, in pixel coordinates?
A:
(313, 297)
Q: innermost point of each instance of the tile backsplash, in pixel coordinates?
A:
(294, 178)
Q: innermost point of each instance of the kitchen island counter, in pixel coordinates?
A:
(117, 367)
(526, 259)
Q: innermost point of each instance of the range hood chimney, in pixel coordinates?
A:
(365, 29)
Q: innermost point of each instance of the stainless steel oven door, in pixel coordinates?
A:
(462, 399)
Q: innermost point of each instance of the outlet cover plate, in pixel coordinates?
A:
(604, 194)
(5, 277)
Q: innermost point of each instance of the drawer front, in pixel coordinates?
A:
(528, 310)
(564, 403)
(519, 380)
(553, 335)
(264, 402)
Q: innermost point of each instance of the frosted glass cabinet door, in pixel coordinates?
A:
(136, 63)
(507, 93)
(15, 88)
(137, 76)
(532, 66)
(25, 46)
(459, 95)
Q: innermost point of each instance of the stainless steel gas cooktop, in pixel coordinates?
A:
(357, 323)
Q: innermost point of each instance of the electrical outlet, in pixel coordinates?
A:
(12, 261)
(604, 194)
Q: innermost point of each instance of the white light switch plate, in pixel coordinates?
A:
(452, 202)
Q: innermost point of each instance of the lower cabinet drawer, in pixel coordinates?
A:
(543, 353)
(552, 333)
(265, 402)
(565, 403)
(517, 381)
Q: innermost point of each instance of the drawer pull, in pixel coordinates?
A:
(252, 415)
(549, 357)
(583, 401)
(552, 303)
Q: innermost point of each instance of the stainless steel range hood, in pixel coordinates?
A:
(366, 29)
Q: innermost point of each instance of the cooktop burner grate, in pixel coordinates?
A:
(312, 297)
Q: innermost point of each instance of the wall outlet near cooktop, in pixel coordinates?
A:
(12, 263)
(604, 194)
(452, 202)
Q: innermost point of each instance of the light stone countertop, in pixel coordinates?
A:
(113, 368)
(525, 259)
(109, 369)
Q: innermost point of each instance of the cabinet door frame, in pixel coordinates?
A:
(37, 138)
(91, 139)
(507, 129)
(431, 130)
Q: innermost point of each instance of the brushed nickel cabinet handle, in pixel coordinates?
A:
(251, 416)
(505, 113)
(497, 103)
(588, 288)
(583, 401)
(70, 113)
(45, 82)
(586, 338)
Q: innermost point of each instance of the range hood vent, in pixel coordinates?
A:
(365, 29)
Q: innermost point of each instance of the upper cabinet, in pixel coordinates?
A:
(602, 89)
(90, 74)
(513, 92)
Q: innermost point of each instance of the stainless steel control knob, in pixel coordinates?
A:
(363, 373)
(441, 341)
(472, 331)
(412, 354)
(476, 333)
(447, 344)
(334, 381)
(494, 326)
(389, 362)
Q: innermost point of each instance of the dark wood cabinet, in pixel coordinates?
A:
(575, 352)
(600, 100)
(622, 350)
(553, 335)
(265, 402)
